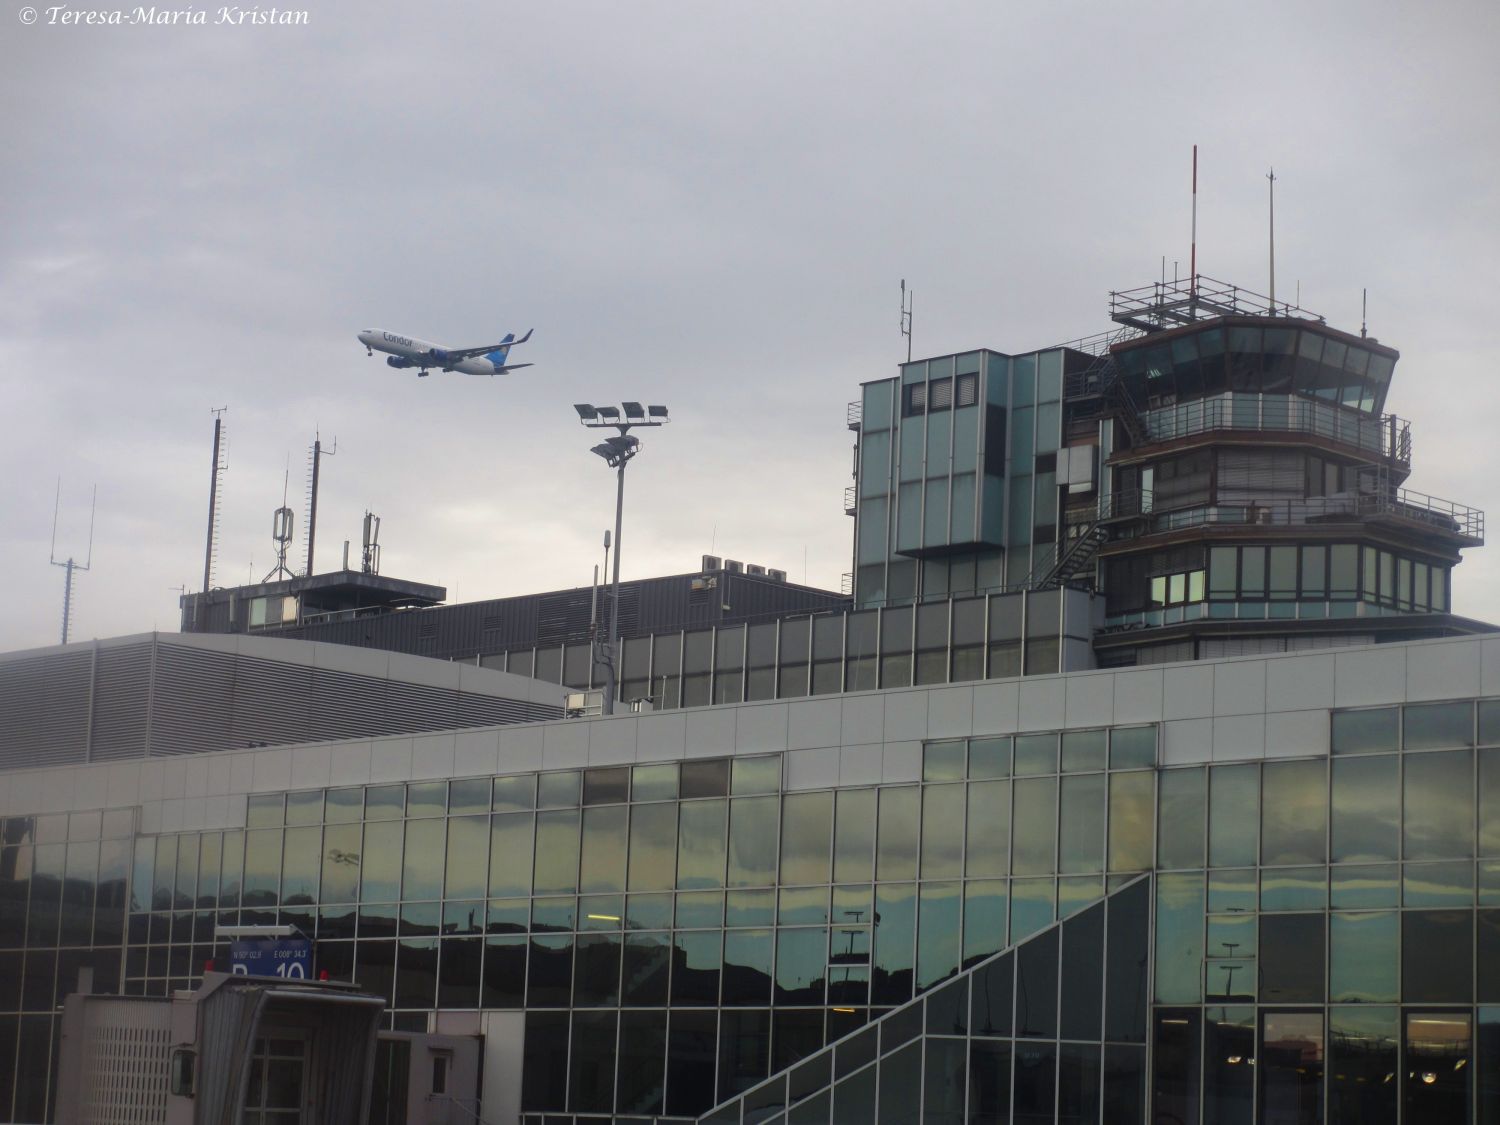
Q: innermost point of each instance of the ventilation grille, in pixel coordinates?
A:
(124, 1072)
(44, 709)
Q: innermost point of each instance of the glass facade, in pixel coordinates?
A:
(1052, 1030)
(957, 476)
(947, 641)
(1323, 933)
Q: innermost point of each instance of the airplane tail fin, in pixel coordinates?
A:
(499, 354)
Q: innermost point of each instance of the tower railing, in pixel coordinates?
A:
(1384, 435)
(1443, 516)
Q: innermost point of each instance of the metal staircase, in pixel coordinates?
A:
(1063, 567)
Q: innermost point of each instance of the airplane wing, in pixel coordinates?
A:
(458, 355)
(512, 367)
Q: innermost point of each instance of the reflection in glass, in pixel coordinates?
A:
(1437, 726)
(1291, 958)
(1438, 1051)
(1436, 956)
(1438, 884)
(556, 861)
(1032, 907)
(299, 877)
(896, 838)
(700, 844)
(602, 860)
(806, 826)
(510, 854)
(985, 905)
(1175, 1095)
(1366, 732)
(752, 841)
(1229, 1065)
(468, 849)
(1034, 849)
(1179, 937)
(895, 933)
(1362, 1066)
(942, 831)
(801, 964)
(1362, 957)
(1294, 812)
(854, 836)
(422, 868)
(987, 851)
(1364, 886)
(1434, 786)
(648, 962)
(1294, 888)
(1290, 1064)
(262, 866)
(1366, 808)
(1181, 816)
(1234, 815)
(653, 846)
(1132, 819)
(1081, 823)
(341, 863)
(747, 967)
(937, 932)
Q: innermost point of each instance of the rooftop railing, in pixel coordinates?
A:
(1169, 304)
(1444, 516)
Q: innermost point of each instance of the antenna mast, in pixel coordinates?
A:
(318, 452)
(281, 531)
(1271, 178)
(906, 305)
(1193, 260)
(1364, 310)
(70, 565)
(215, 478)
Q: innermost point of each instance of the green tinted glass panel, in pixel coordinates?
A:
(1294, 812)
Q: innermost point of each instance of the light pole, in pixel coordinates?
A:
(617, 452)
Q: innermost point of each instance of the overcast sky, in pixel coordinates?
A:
(706, 204)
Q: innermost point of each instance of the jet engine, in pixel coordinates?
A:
(397, 361)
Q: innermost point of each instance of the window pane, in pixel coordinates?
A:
(1435, 786)
(1366, 810)
(1035, 820)
(700, 844)
(1294, 812)
(1082, 820)
(1183, 794)
(1234, 815)
(806, 826)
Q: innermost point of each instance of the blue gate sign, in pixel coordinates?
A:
(288, 958)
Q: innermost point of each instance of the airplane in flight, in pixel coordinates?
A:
(407, 351)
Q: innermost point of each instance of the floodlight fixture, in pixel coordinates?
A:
(616, 452)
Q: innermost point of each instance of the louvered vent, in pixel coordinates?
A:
(122, 691)
(186, 679)
(564, 617)
(44, 710)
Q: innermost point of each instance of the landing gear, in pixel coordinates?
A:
(422, 374)
(369, 351)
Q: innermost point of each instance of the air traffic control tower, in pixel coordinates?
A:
(1219, 467)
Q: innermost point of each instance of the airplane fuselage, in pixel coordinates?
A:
(424, 355)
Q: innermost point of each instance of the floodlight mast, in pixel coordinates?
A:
(616, 453)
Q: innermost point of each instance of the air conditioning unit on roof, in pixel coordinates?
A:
(712, 562)
(734, 566)
(755, 569)
(776, 575)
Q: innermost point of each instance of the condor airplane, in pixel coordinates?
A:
(408, 351)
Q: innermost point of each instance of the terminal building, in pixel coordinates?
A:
(1144, 774)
